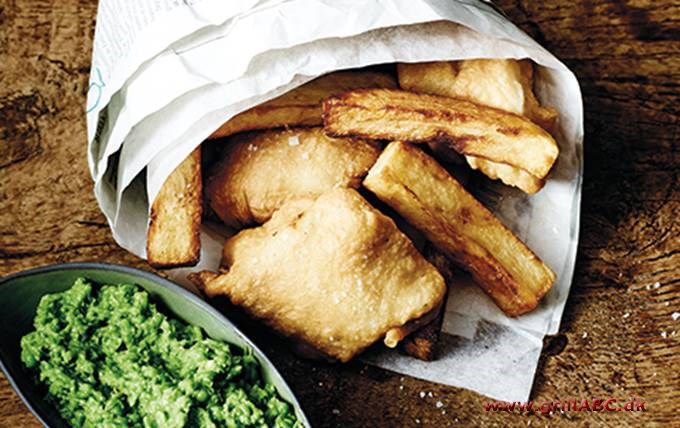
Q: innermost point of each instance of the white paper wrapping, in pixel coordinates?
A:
(166, 73)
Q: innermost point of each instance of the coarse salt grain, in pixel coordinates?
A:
(422, 394)
(439, 404)
(675, 316)
(294, 141)
(585, 334)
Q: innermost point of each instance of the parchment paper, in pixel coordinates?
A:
(166, 73)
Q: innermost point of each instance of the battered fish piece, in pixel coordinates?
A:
(302, 105)
(422, 192)
(336, 276)
(505, 84)
(174, 234)
(262, 171)
(508, 174)
(471, 129)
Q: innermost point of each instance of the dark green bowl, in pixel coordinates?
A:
(21, 292)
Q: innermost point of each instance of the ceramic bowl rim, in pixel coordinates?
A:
(150, 276)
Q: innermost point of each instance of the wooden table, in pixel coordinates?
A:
(618, 336)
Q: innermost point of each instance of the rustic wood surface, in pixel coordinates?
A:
(618, 336)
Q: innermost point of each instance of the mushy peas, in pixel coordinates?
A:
(109, 358)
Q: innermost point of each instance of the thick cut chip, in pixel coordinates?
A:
(336, 276)
(505, 84)
(302, 105)
(173, 238)
(422, 343)
(261, 171)
(471, 129)
(422, 192)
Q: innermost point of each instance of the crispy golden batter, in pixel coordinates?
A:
(421, 191)
(505, 84)
(337, 275)
(173, 238)
(302, 105)
(508, 174)
(471, 129)
(261, 171)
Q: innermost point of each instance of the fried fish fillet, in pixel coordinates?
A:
(262, 171)
(302, 105)
(471, 129)
(505, 84)
(421, 191)
(173, 238)
(508, 174)
(336, 276)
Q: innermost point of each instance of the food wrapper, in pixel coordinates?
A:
(167, 73)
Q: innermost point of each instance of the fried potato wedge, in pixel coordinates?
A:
(505, 84)
(337, 275)
(302, 105)
(422, 343)
(421, 191)
(173, 238)
(471, 129)
(259, 172)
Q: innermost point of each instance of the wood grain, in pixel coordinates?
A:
(618, 337)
